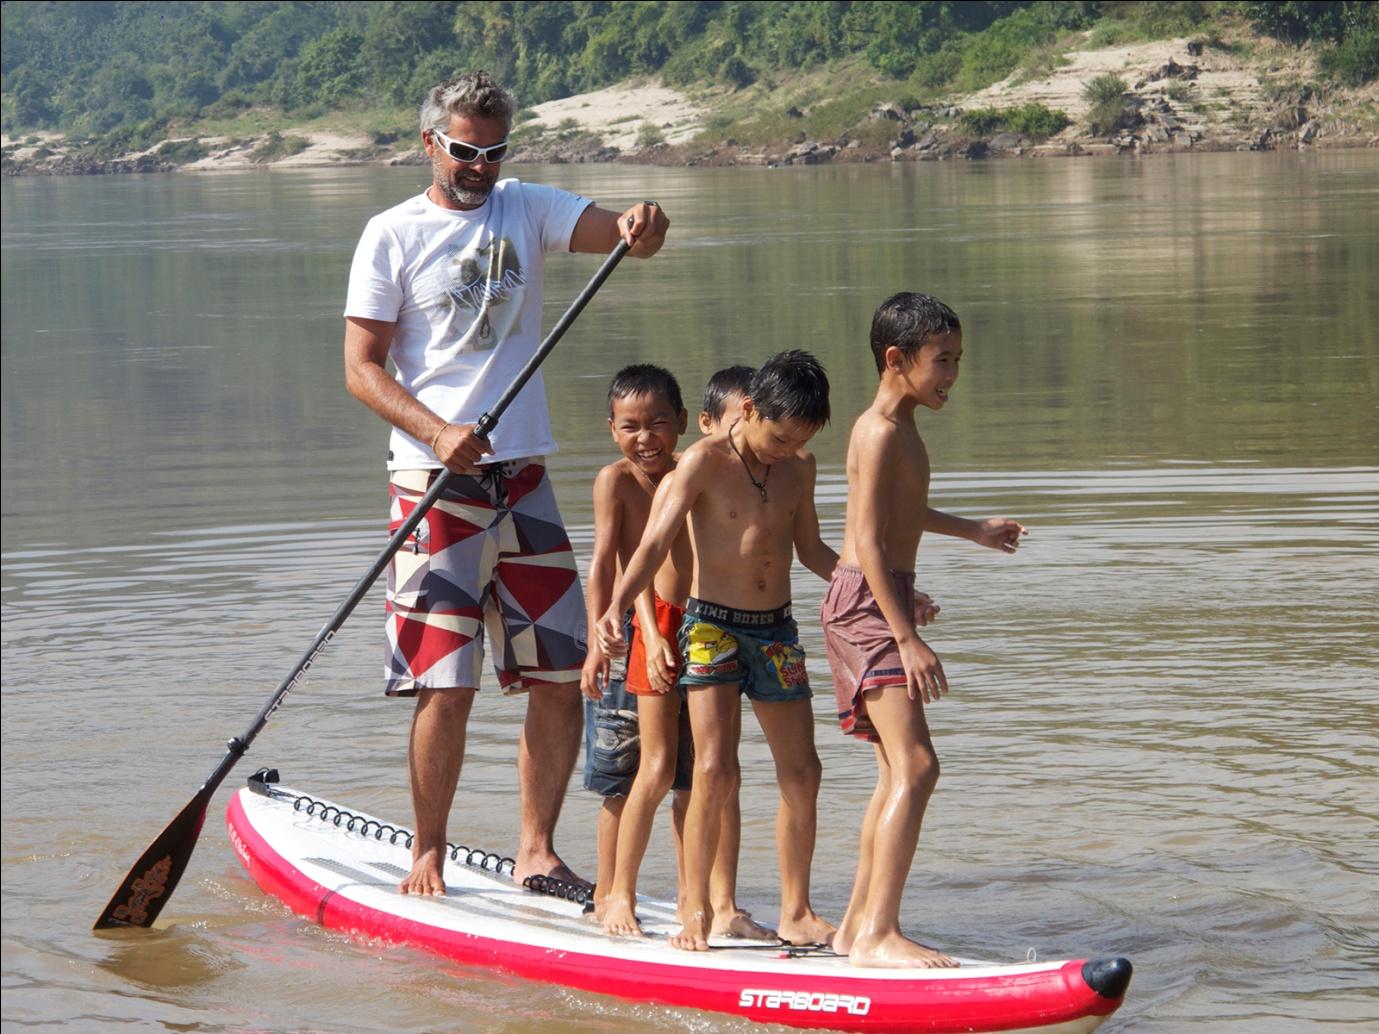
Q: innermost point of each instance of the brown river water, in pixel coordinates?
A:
(1163, 731)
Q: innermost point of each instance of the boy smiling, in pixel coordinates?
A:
(637, 742)
(747, 497)
(883, 671)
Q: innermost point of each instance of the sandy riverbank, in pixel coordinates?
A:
(1182, 95)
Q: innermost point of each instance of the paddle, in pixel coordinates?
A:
(152, 879)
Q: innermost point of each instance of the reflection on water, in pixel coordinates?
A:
(1161, 737)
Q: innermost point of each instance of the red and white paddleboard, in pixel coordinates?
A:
(341, 868)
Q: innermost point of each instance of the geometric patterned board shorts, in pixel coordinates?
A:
(491, 556)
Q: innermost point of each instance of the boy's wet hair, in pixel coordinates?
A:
(645, 379)
(791, 386)
(729, 381)
(906, 320)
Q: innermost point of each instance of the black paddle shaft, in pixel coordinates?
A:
(149, 884)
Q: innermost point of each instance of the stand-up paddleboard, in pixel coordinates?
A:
(342, 868)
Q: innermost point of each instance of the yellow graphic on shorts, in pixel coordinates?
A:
(788, 660)
(710, 651)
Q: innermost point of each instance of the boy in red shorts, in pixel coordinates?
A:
(626, 732)
(883, 672)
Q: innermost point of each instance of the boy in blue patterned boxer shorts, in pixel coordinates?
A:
(747, 497)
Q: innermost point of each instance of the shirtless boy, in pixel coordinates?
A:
(748, 499)
(660, 760)
(723, 395)
(646, 416)
(883, 672)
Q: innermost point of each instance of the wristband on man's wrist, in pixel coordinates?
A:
(438, 436)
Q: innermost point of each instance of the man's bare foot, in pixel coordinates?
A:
(741, 924)
(556, 870)
(807, 929)
(695, 934)
(620, 918)
(896, 951)
(425, 877)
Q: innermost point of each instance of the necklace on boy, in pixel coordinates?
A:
(759, 485)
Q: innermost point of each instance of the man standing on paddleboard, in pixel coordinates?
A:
(448, 285)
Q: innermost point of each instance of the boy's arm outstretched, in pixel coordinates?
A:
(1001, 533)
(672, 503)
(923, 670)
(810, 547)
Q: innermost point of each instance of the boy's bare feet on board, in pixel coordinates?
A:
(425, 877)
(896, 951)
(620, 918)
(695, 935)
(847, 933)
(740, 924)
(806, 929)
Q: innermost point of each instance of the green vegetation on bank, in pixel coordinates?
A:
(123, 74)
(1106, 96)
(1032, 120)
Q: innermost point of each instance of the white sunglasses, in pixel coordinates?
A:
(465, 153)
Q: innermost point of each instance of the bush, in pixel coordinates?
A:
(938, 69)
(1137, 22)
(1355, 60)
(1104, 88)
(736, 72)
(229, 105)
(276, 146)
(982, 121)
(182, 152)
(1106, 94)
(1032, 119)
(650, 135)
(1298, 20)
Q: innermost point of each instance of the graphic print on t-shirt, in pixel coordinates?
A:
(487, 282)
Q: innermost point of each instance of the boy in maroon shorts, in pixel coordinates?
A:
(883, 672)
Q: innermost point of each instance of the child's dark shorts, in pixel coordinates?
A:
(612, 743)
(758, 649)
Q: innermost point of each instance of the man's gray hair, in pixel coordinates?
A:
(472, 95)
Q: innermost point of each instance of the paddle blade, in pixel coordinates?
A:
(152, 879)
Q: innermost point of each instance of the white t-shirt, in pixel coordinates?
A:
(464, 289)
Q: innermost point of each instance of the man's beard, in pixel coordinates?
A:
(464, 197)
